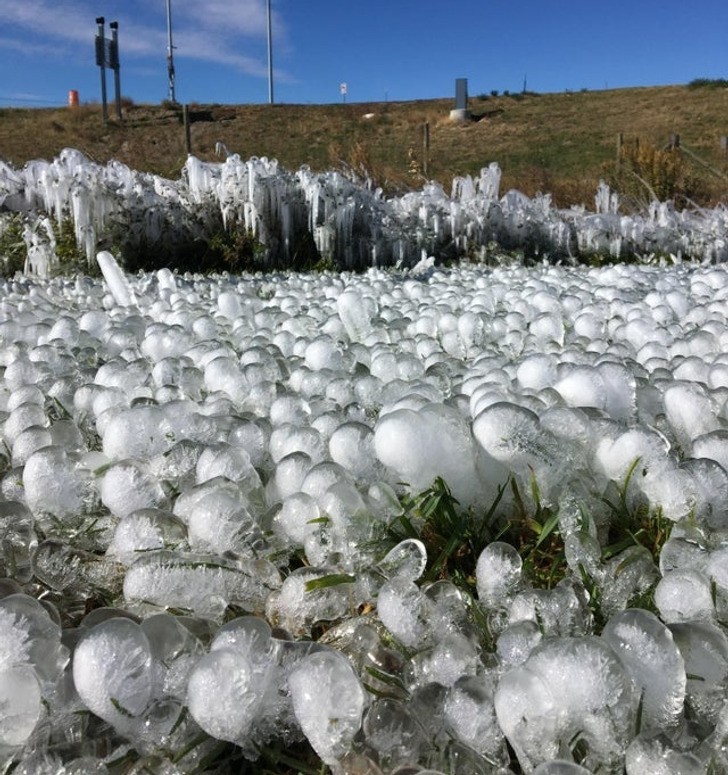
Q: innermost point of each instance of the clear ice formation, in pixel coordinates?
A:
(568, 687)
(349, 222)
(113, 672)
(328, 702)
(118, 285)
(208, 536)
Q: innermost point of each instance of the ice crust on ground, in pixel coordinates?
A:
(214, 469)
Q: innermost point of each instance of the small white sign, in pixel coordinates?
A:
(343, 88)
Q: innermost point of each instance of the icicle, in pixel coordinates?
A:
(115, 279)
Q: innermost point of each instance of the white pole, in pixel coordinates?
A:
(270, 56)
(170, 55)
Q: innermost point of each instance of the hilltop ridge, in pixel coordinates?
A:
(560, 143)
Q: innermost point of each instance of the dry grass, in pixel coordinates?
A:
(562, 143)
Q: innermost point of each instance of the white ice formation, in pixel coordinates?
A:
(217, 500)
(350, 223)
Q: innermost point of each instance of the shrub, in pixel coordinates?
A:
(646, 173)
(12, 245)
(70, 258)
(237, 250)
(14, 250)
(711, 83)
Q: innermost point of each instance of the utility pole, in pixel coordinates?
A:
(270, 56)
(170, 54)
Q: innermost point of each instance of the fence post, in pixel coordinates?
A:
(425, 147)
(620, 145)
(186, 122)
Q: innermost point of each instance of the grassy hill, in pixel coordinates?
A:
(559, 143)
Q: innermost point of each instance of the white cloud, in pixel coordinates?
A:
(201, 45)
(246, 17)
(28, 48)
(25, 97)
(65, 22)
(206, 31)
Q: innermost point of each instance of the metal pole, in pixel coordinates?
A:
(115, 65)
(270, 57)
(101, 61)
(170, 55)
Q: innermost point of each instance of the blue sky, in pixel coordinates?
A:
(382, 49)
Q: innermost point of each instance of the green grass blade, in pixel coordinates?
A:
(549, 527)
(332, 580)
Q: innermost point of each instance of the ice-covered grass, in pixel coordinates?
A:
(253, 214)
(451, 520)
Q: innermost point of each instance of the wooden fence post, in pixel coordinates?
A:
(620, 146)
(425, 147)
(186, 122)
